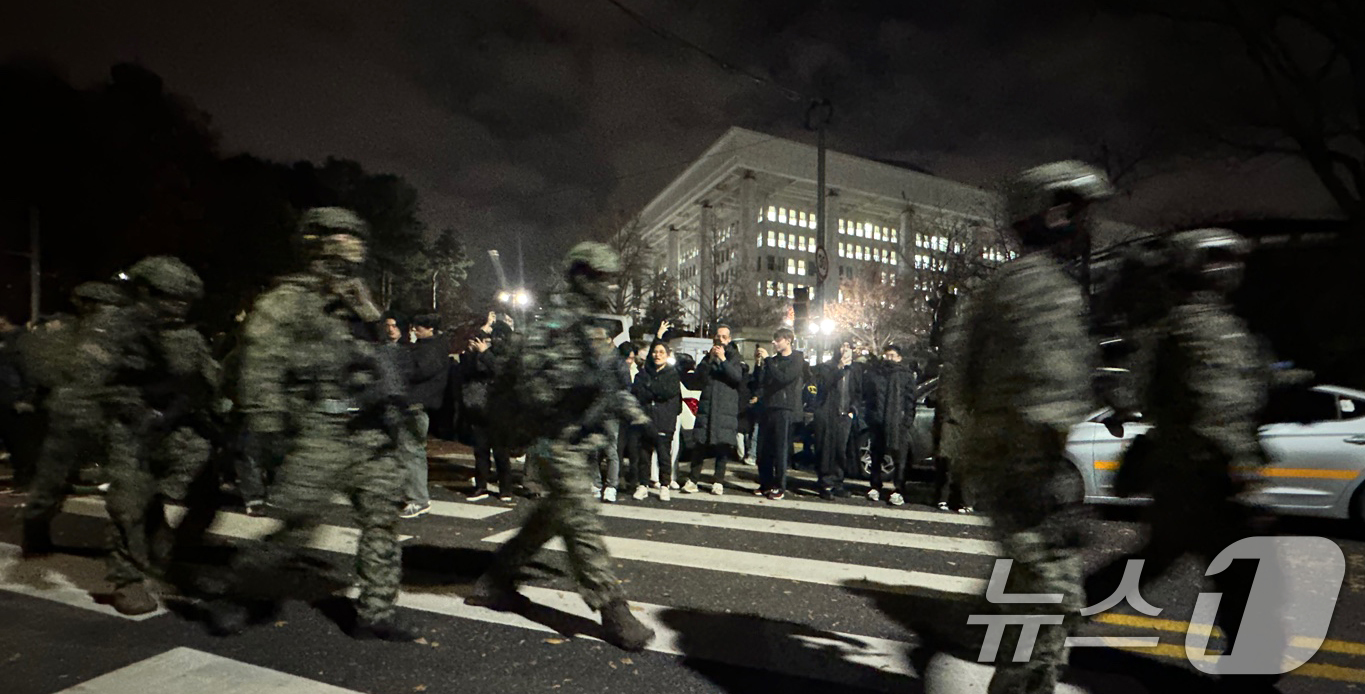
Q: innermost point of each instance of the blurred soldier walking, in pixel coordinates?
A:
(75, 421)
(1206, 387)
(562, 390)
(1017, 377)
(317, 395)
(159, 383)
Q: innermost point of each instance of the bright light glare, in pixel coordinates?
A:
(522, 297)
(813, 328)
(827, 326)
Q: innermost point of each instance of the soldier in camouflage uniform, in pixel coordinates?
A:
(1203, 393)
(1017, 378)
(317, 395)
(75, 420)
(153, 377)
(572, 388)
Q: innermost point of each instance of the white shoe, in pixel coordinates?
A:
(596, 491)
(690, 487)
(663, 494)
(673, 485)
(943, 506)
(966, 510)
(717, 489)
(896, 499)
(874, 495)
(641, 493)
(609, 495)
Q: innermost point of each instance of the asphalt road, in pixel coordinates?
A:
(799, 595)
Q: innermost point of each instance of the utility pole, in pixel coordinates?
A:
(34, 267)
(817, 118)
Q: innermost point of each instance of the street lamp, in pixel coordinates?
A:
(827, 326)
(521, 298)
(813, 328)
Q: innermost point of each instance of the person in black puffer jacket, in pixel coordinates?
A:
(660, 394)
(477, 371)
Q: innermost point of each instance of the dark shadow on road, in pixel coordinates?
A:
(430, 565)
(742, 653)
(940, 623)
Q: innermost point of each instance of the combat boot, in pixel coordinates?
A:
(133, 599)
(623, 630)
(496, 594)
(37, 538)
(387, 629)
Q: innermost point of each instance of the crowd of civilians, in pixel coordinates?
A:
(752, 413)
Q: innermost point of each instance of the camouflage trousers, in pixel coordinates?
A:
(568, 511)
(327, 457)
(144, 472)
(74, 429)
(1037, 516)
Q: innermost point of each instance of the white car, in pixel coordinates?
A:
(1315, 442)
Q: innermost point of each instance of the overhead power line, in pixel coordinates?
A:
(724, 64)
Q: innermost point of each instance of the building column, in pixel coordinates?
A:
(747, 229)
(905, 250)
(706, 266)
(674, 258)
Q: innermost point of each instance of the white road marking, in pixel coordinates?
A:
(38, 579)
(182, 670)
(331, 538)
(743, 497)
(776, 566)
(884, 538)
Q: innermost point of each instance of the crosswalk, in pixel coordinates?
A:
(815, 652)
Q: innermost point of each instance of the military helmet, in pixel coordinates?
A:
(1040, 188)
(99, 293)
(593, 257)
(325, 221)
(1209, 258)
(167, 275)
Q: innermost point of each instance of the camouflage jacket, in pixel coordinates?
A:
(300, 352)
(1208, 385)
(558, 380)
(1017, 367)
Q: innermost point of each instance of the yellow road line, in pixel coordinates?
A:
(1179, 627)
(1289, 472)
(1328, 672)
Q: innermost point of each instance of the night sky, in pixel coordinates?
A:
(549, 118)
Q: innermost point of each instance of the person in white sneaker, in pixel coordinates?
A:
(890, 392)
(660, 394)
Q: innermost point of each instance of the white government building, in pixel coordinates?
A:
(755, 195)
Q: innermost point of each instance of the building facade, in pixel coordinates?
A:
(742, 218)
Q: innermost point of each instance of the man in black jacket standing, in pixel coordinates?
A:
(716, 431)
(427, 370)
(781, 378)
(838, 399)
(890, 389)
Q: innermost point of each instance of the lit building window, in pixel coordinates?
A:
(877, 233)
(781, 239)
(772, 238)
(791, 291)
(943, 244)
(841, 249)
(801, 243)
(919, 239)
(894, 235)
(772, 213)
(842, 230)
(893, 258)
(801, 267)
(791, 266)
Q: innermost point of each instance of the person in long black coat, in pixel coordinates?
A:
(659, 391)
(719, 377)
(890, 391)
